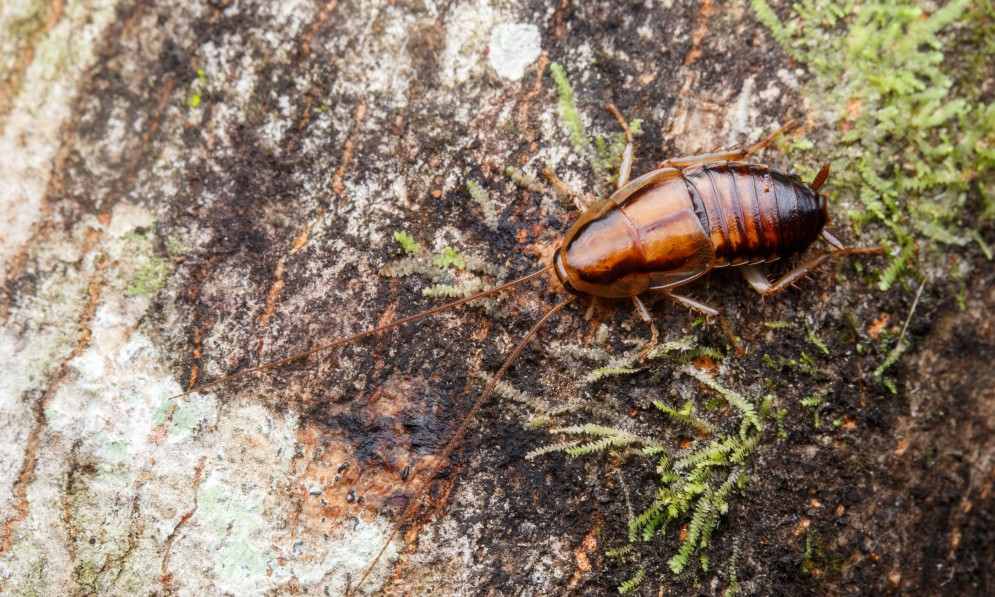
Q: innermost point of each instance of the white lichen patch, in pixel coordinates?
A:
(741, 112)
(467, 37)
(344, 555)
(513, 47)
(95, 445)
(29, 134)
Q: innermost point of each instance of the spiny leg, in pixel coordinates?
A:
(770, 138)
(726, 155)
(758, 280)
(565, 192)
(654, 333)
(708, 311)
(625, 168)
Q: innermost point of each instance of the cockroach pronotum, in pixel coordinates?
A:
(657, 232)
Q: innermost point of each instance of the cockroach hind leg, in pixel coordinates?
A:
(841, 249)
(758, 280)
(828, 236)
(769, 139)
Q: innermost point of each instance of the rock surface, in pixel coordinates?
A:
(190, 189)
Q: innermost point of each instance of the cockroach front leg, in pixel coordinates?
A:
(708, 311)
(726, 155)
(758, 280)
(565, 192)
(625, 168)
(654, 333)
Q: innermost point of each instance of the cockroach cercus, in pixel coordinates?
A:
(656, 233)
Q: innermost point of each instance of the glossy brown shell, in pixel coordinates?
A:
(673, 225)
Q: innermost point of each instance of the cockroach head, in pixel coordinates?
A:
(561, 273)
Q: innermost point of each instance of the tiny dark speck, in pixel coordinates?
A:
(351, 497)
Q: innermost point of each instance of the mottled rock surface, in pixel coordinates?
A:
(190, 189)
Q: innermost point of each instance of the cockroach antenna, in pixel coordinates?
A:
(454, 441)
(348, 339)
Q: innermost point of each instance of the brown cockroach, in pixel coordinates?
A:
(657, 232)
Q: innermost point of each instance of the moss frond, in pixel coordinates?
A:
(917, 136)
(686, 416)
(631, 584)
(407, 242)
(731, 397)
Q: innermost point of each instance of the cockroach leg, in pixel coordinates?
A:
(708, 311)
(841, 249)
(758, 280)
(693, 304)
(590, 308)
(654, 333)
(727, 155)
(565, 192)
(770, 139)
(625, 168)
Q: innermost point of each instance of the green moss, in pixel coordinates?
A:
(631, 584)
(449, 258)
(685, 415)
(568, 111)
(143, 270)
(407, 242)
(619, 551)
(477, 192)
(816, 341)
(492, 211)
(195, 97)
(149, 277)
(816, 561)
(814, 404)
(603, 154)
(695, 484)
(914, 137)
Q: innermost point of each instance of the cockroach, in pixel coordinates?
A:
(655, 233)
